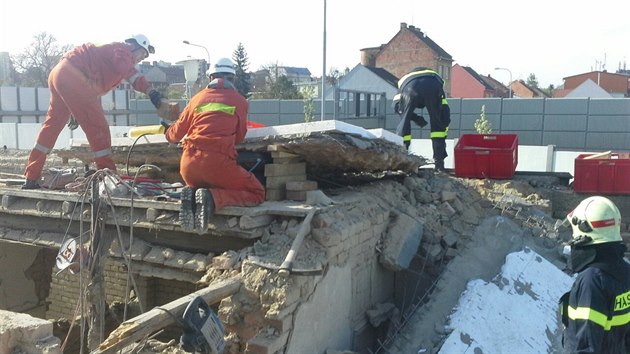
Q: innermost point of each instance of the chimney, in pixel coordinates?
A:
(412, 27)
(403, 25)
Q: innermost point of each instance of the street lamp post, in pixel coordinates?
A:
(200, 46)
(510, 83)
(199, 76)
(324, 68)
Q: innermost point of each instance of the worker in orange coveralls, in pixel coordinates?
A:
(76, 84)
(214, 121)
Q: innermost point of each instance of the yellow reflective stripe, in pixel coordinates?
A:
(407, 138)
(588, 314)
(443, 134)
(216, 107)
(428, 71)
(620, 320)
(444, 101)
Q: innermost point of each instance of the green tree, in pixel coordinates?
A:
(283, 89)
(243, 78)
(38, 59)
(482, 125)
(549, 90)
(309, 106)
(532, 80)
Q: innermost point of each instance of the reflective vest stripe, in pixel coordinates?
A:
(415, 73)
(102, 153)
(407, 138)
(444, 101)
(588, 314)
(442, 134)
(42, 148)
(216, 107)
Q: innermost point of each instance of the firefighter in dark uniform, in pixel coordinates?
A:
(596, 312)
(419, 89)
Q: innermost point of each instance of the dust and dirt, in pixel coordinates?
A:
(469, 227)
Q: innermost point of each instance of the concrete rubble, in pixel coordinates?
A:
(387, 258)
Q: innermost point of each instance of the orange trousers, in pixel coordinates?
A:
(229, 183)
(71, 92)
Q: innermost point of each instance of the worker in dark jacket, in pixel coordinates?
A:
(596, 312)
(419, 89)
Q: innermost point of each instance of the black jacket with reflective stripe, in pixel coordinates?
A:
(596, 312)
(416, 74)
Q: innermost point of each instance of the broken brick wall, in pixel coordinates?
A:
(64, 294)
(271, 313)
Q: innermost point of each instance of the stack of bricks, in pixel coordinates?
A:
(286, 169)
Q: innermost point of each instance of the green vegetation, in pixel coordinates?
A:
(482, 125)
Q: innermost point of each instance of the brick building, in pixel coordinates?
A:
(467, 83)
(522, 90)
(408, 49)
(617, 85)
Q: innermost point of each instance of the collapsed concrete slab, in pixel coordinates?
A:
(326, 147)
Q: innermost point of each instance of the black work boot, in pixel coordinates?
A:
(439, 166)
(204, 210)
(187, 209)
(30, 184)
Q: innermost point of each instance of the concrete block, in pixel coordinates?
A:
(296, 195)
(401, 242)
(275, 194)
(21, 332)
(247, 222)
(289, 169)
(279, 182)
(283, 155)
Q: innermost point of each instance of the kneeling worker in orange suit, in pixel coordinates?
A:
(76, 84)
(214, 121)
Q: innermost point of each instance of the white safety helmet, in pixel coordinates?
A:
(396, 103)
(595, 220)
(223, 66)
(143, 41)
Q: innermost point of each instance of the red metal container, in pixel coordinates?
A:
(486, 155)
(607, 173)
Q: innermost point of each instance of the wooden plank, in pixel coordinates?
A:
(142, 326)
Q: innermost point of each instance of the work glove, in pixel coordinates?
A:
(165, 125)
(156, 98)
(419, 120)
(72, 123)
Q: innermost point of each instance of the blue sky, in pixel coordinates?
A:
(552, 39)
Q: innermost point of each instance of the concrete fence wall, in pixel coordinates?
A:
(587, 124)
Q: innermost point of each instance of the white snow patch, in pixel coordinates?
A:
(517, 315)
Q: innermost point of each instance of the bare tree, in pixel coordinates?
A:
(38, 59)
